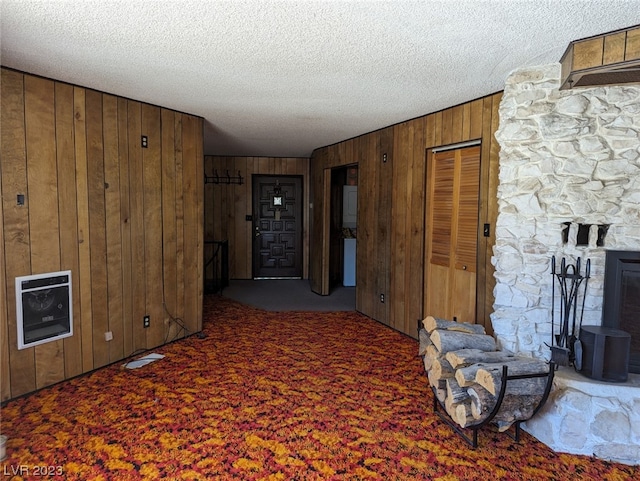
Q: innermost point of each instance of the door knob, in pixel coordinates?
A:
(257, 231)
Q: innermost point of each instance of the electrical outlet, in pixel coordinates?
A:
(108, 336)
(382, 298)
(146, 321)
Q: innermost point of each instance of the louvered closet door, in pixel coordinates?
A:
(439, 229)
(451, 234)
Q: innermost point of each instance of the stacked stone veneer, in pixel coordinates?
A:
(567, 158)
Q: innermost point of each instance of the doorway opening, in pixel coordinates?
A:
(343, 227)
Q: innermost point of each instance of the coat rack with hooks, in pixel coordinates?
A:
(224, 179)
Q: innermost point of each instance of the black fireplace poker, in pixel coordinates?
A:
(566, 348)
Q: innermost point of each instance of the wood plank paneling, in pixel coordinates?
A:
(169, 231)
(614, 48)
(136, 203)
(22, 367)
(402, 178)
(438, 137)
(197, 158)
(632, 49)
(457, 123)
(447, 127)
(415, 275)
(180, 221)
(191, 179)
(366, 295)
(126, 329)
(152, 198)
(5, 373)
(588, 53)
(97, 227)
(413, 232)
(384, 150)
(43, 207)
(42, 174)
(113, 234)
(484, 243)
(83, 278)
(430, 131)
(475, 129)
(465, 129)
(69, 253)
(316, 261)
(97, 205)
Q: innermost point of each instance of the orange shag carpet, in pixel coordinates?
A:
(268, 396)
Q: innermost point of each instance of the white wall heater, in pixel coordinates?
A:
(43, 308)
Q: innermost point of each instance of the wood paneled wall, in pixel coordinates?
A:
(391, 210)
(227, 205)
(126, 220)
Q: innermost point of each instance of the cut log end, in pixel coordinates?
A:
(467, 357)
(490, 376)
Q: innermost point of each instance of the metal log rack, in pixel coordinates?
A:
(473, 440)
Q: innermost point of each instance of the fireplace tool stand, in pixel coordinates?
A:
(473, 439)
(566, 348)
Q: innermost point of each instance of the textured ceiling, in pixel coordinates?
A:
(282, 78)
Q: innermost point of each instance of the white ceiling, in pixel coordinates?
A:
(275, 78)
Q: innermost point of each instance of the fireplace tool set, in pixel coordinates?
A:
(566, 348)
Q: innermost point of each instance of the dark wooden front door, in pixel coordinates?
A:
(277, 226)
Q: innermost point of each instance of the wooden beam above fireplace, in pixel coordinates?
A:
(608, 59)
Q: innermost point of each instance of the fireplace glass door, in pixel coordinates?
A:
(630, 305)
(621, 304)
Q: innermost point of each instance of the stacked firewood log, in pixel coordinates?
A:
(464, 368)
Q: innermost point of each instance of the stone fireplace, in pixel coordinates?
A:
(569, 187)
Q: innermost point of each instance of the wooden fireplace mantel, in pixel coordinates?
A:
(608, 59)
